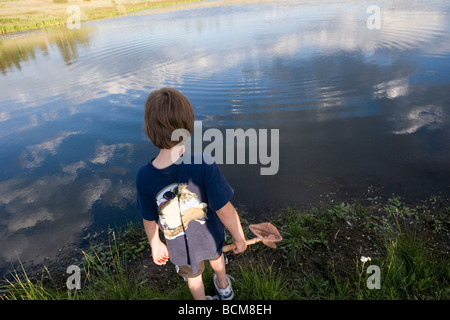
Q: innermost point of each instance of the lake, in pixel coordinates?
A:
(359, 97)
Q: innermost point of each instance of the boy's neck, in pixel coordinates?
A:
(167, 157)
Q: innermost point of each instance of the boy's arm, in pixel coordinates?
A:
(160, 253)
(231, 221)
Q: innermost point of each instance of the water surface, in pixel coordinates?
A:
(356, 108)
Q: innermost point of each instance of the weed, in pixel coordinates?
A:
(261, 283)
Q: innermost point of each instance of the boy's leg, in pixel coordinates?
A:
(196, 287)
(195, 281)
(218, 266)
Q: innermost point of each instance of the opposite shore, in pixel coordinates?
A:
(17, 16)
(24, 15)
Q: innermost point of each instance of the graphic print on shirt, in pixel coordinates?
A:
(177, 207)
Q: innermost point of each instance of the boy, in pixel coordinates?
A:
(189, 203)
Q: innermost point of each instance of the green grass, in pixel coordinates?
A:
(257, 282)
(20, 287)
(412, 272)
(105, 270)
(319, 258)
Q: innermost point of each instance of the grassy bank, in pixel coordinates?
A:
(22, 15)
(325, 254)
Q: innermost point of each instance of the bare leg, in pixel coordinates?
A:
(219, 269)
(196, 287)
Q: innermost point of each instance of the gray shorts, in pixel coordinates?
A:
(186, 272)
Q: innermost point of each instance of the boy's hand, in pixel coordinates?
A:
(160, 254)
(241, 246)
(230, 219)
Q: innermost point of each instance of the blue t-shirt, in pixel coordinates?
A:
(183, 200)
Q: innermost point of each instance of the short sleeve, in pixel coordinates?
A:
(217, 189)
(147, 208)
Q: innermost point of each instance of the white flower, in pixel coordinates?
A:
(365, 259)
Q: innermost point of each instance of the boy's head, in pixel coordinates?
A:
(166, 110)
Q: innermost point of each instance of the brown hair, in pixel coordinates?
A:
(166, 110)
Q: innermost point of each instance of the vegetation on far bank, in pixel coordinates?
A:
(325, 254)
(22, 15)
